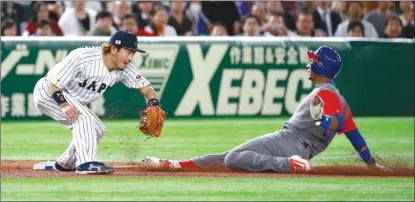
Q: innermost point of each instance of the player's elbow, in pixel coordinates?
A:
(51, 88)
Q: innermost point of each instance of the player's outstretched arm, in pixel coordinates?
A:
(361, 147)
(150, 94)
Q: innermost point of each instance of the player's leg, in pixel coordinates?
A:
(211, 162)
(48, 107)
(271, 152)
(87, 131)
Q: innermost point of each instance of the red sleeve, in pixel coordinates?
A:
(31, 27)
(332, 105)
(349, 124)
(55, 28)
(142, 32)
(331, 102)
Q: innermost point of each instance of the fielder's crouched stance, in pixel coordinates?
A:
(322, 114)
(80, 78)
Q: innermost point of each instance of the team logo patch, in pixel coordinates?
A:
(138, 77)
(117, 42)
(316, 100)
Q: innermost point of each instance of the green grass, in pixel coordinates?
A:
(392, 139)
(208, 189)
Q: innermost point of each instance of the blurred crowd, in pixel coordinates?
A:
(382, 19)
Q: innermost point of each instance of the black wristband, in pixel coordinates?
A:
(153, 102)
(58, 97)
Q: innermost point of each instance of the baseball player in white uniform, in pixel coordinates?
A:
(80, 78)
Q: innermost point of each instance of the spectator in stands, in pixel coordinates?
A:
(305, 26)
(159, 24)
(391, 6)
(340, 8)
(407, 19)
(55, 9)
(219, 29)
(41, 13)
(409, 30)
(43, 28)
(178, 20)
(326, 19)
(369, 6)
(103, 25)
(8, 28)
(193, 12)
(244, 8)
(119, 9)
(407, 9)
(355, 29)
(13, 11)
(77, 20)
(222, 11)
(251, 26)
(310, 7)
(379, 16)
(143, 11)
(354, 13)
(275, 26)
(393, 28)
(97, 6)
(128, 22)
(258, 10)
(275, 8)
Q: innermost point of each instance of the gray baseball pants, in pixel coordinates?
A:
(269, 152)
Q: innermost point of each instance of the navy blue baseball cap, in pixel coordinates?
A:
(125, 40)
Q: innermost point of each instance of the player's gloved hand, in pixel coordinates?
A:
(152, 120)
(70, 111)
(316, 108)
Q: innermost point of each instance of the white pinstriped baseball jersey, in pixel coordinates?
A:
(84, 76)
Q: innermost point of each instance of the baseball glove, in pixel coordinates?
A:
(152, 120)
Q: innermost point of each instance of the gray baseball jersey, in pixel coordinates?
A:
(83, 77)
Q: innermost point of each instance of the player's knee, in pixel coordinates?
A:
(231, 160)
(96, 124)
(100, 129)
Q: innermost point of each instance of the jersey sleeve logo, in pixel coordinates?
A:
(316, 100)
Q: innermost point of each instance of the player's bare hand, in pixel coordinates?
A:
(379, 167)
(70, 111)
(372, 164)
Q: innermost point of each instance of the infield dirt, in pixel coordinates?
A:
(23, 169)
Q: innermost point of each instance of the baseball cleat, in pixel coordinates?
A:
(153, 163)
(50, 165)
(94, 168)
(299, 165)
